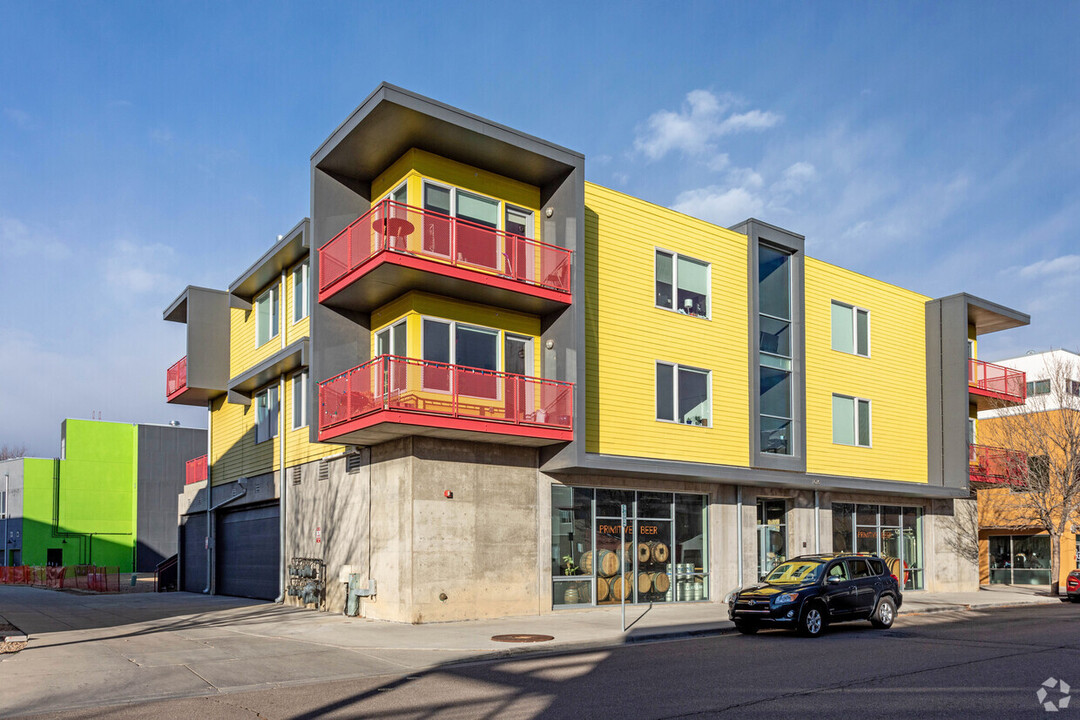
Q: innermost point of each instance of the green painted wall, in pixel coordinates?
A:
(97, 499)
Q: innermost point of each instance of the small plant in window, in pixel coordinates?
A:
(569, 567)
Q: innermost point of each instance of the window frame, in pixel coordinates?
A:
(676, 367)
(855, 310)
(299, 380)
(855, 418)
(1033, 385)
(675, 283)
(271, 428)
(303, 272)
(272, 296)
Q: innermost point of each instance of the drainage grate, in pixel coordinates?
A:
(522, 638)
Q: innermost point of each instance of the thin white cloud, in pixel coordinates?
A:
(693, 129)
(18, 240)
(1064, 265)
(720, 205)
(139, 269)
(20, 118)
(161, 135)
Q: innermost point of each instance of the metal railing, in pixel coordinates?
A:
(403, 384)
(997, 465)
(395, 227)
(1002, 382)
(195, 470)
(176, 378)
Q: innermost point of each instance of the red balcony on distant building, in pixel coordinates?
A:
(993, 385)
(176, 380)
(392, 396)
(997, 466)
(195, 470)
(397, 247)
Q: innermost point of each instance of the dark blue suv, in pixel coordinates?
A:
(809, 592)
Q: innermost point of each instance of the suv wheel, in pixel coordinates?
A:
(884, 615)
(812, 623)
(746, 628)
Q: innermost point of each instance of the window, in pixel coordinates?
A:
(266, 316)
(391, 340)
(3, 503)
(1072, 387)
(682, 394)
(892, 532)
(299, 399)
(475, 244)
(850, 421)
(300, 292)
(266, 414)
(1038, 387)
(772, 535)
(850, 329)
(774, 351)
(682, 284)
(473, 350)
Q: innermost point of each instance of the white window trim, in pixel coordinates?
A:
(500, 221)
(855, 407)
(275, 327)
(499, 360)
(675, 392)
(675, 283)
(392, 327)
(304, 268)
(299, 379)
(273, 426)
(855, 310)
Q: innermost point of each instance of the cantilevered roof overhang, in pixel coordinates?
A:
(291, 248)
(393, 120)
(991, 317)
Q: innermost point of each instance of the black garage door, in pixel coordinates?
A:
(247, 552)
(193, 553)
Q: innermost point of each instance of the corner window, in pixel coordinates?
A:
(774, 351)
(299, 400)
(682, 395)
(682, 284)
(850, 329)
(1038, 387)
(266, 316)
(851, 421)
(266, 414)
(300, 292)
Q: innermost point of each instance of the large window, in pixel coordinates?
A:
(682, 284)
(299, 399)
(774, 351)
(475, 243)
(300, 292)
(850, 421)
(1038, 387)
(662, 549)
(1020, 559)
(266, 414)
(682, 394)
(392, 340)
(266, 316)
(891, 531)
(850, 329)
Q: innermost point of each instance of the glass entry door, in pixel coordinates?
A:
(772, 535)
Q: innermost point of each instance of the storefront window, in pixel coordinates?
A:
(1020, 559)
(772, 535)
(891, 531)
(659, 555)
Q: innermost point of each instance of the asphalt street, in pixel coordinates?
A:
(983, 663)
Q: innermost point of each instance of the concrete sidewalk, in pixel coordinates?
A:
(87, 650)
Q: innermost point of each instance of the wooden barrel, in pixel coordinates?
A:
(661, 583)
(660, 552)
(644, 553)
(607, 563)
(602, 590)
(621, 586)
(895, 568)
(644, 582)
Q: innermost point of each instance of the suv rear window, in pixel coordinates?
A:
(876, 565)
(859, 568)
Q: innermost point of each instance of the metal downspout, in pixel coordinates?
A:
(817, 522)
(209, 496)
(281, 447)
(738, 530)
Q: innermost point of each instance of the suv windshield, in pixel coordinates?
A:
(795, 572)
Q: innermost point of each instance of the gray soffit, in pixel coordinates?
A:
(292, 247)
(177, 310)
(393, 120)
(621, 466)
(284, 361)
(990, 317)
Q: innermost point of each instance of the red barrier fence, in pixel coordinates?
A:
(70, 577)
(176, 379)
(195, 470)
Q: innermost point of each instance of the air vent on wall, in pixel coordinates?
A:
(296, 475)
(324, 470)
(353, 463)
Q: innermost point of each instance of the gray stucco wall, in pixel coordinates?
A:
(11, 476)
(163, 452)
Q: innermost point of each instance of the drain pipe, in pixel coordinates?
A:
(282, 484)
(738, 529)
(209, 490)
(242, 483)
(817, 522)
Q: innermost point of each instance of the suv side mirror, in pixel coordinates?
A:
(832, 580)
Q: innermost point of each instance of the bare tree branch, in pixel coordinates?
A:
(10, 452)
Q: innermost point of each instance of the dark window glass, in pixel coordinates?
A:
(858, 569)
(654, 505)
(608, 502)
(842, 527)
(436, 341)
(665, 392)
(774, 287)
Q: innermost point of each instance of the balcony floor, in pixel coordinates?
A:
(990, 400)
(389, 425)
(192, 396)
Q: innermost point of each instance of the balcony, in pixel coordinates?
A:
(992, 386)
(176, 380)
(396, 248)
(391, 397)
(997, 466)
(195, 470)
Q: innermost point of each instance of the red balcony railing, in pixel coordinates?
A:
(996, 381)
(176, 379)
(395, 227)
(432, 388)
(997, 465)
(195, 470)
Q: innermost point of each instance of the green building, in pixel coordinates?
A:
(108, 500)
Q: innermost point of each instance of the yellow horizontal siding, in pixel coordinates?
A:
(243, 352)
(893, 378)
(301, 329)
(233, 452)
(298, 448)
(625, 334)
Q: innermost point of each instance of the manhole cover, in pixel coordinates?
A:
(522, 638)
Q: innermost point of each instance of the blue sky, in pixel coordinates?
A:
(146, 146)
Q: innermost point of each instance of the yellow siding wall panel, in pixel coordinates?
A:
(243, 352)
(893, 378)
(626, 333)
